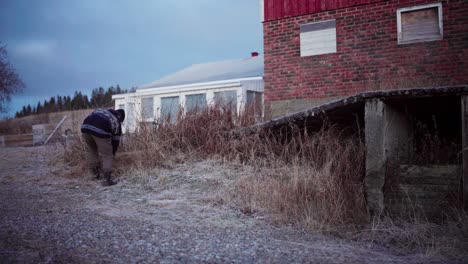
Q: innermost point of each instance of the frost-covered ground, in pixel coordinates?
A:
(174, 217)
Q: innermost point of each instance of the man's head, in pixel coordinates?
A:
(121, 114)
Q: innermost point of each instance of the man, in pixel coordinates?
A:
(101, 131)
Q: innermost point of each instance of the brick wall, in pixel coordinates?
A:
(368, 55)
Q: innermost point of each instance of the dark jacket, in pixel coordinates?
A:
(104, 123)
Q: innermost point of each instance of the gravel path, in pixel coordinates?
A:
(46, 218)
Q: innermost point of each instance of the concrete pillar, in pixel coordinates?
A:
(388, 135)
(375, 155)
(464, 115)
(41, 132)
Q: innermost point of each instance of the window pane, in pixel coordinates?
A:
(195, 102)
(254, 103)
(227, 99)
(147, 107)
(169, 108)
(130, 117)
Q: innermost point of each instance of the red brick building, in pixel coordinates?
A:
(320, 50)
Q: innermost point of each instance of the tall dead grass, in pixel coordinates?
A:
(448, 237)
(311, 179)
(315, 180)
(15, 126)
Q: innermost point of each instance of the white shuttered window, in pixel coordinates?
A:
(420, 23)
(318, 38)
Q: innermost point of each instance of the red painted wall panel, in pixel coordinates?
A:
(277, 9)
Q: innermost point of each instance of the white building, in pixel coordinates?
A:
(239, 82)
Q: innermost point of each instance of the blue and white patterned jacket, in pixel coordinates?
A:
(104, 123)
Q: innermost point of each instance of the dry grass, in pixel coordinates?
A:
(448, 237)
(313, 180)
(15, 126)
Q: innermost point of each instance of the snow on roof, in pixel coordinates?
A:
(213, 71)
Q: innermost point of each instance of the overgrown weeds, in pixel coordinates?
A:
(311, 179)
(315, 179)
(448, 237)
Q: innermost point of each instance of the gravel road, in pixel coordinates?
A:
(48, 218)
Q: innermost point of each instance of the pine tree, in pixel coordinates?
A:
(59, 103)
(39, 108)
(28, 110)
(52, 105)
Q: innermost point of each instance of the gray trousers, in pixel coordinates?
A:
(99, 148)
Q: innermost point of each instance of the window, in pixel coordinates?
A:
(318, 38)
(130, 117)
(169, 108)
(147, 107)
(226, 100)
(420, 23)
(121, 106)
(254, 103)
(195, 102)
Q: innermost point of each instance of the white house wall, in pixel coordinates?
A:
(241, 86)
(126, 99)
(250, 85)
(209, 98)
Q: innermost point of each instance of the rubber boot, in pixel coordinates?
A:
(108, 181)
(97, 173)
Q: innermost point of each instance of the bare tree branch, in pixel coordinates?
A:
(10, 82)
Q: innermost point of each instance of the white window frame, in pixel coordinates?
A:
(415, 8)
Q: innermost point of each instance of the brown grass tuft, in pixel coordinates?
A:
(314, 180)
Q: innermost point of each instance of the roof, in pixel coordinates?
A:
(346, 109)
(213, 71)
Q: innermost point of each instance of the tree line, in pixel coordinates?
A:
(100, 98)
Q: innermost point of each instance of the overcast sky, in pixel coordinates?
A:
(60, 46)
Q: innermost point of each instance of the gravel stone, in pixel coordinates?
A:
(48, 218)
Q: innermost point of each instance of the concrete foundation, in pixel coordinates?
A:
(41, 132)
(375, 155)
(393, 180)
(285, 107)
(464, 178)
(416, 142)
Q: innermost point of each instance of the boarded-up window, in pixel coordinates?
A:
(254, 103)
(147, 107)
(195, 102)
(420, 23)
(318, 38)
(226, 100)
(169, 108)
